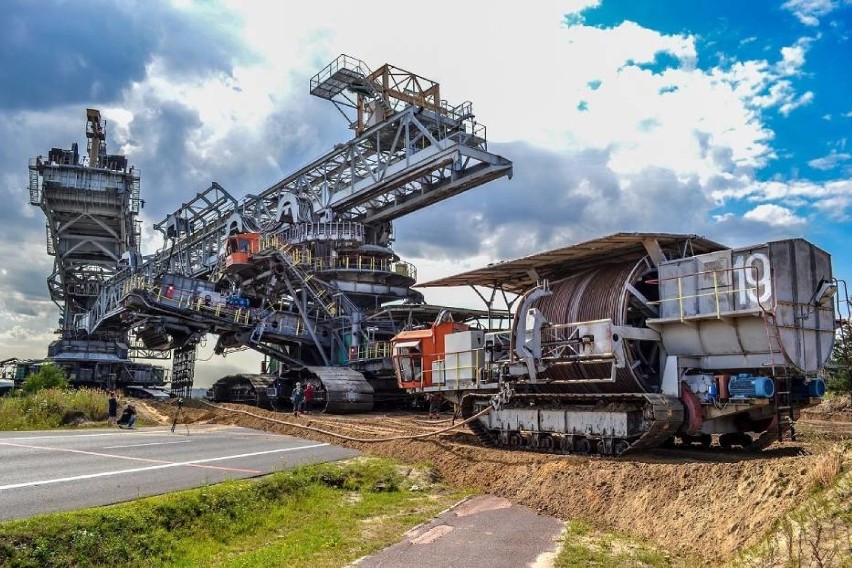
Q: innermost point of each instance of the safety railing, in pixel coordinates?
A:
(277, 242)
(745, 290)
(585, 341)
(372, 350)
(35, 196)
(76, 177)
(308, 232)
(447, 371)
(343, 61)
(365, 263)
(194, 302)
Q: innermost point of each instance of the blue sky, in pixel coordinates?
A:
(725, 119)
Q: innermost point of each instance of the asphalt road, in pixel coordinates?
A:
(45, 472)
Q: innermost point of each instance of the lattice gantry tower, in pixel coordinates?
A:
(91, 207)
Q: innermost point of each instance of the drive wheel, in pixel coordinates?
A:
(620, 447)
(582, 446)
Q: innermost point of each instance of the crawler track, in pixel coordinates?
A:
(664, 415)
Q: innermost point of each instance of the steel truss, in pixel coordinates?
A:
(411, 150)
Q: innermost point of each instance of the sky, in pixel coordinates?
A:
(725, 119)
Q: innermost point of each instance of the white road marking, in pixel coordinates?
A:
(126, 432)
(148, 444)
(153, 467)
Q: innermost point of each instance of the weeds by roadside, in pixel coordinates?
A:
(583, 546)
(52, 408)
(819, 533)
(317, 516)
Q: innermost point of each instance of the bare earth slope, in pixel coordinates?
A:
(706, 504)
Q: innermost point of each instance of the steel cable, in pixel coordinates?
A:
(349, 438)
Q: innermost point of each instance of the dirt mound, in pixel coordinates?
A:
(152, 415)
(834, 409)
(830, 420)
(703, 504)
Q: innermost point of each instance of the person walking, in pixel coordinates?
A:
(112, 409)
(309, 397)
(298, 397)
(435, 400)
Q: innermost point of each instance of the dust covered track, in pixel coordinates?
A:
(681, 498)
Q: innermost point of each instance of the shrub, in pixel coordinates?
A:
(48, 377)
(51, 408)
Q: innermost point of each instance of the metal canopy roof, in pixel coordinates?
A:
(519, 275)
(431, 311)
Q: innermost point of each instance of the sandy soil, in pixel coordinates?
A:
(706, 504)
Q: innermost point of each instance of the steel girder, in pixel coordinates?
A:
(414, 158)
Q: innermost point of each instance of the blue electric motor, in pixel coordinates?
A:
(816, 388)
(747, 386)
(712, 392)
(237, 301)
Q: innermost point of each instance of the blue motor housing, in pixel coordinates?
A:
(237, 301)
(747, 386)
(816, 388)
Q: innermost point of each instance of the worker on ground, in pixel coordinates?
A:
(112, 409)
(128, 417)
(298, 397)
(435, 400)
(309, 397)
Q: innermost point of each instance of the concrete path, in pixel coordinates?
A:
(484, 531)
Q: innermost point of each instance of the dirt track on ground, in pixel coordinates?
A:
(703, 504)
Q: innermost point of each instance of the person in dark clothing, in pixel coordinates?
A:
(112, 408)
(298, 399)
(435, 400)
(128, 417)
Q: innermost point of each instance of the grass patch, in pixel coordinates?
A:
(52, 408)
(819, 532)
(583, 546)
(318, 516)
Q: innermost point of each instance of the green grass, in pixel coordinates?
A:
(52, 408)
(818, 532)
(318, 516)
(582, 546)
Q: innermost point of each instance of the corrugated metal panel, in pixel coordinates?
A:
(515, 275)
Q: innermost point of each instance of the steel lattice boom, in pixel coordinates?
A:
(295, 270)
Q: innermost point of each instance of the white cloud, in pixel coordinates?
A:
(773, 215)
(831, 161)
(810, 11)
(653, 148)
(694, 122)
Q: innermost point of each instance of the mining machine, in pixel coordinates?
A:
(91, 204)
(304, 271)
(633, 341)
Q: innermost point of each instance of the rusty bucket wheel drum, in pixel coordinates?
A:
(601, 293)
